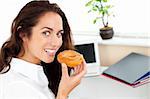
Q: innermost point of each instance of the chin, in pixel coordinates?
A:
(49, 60)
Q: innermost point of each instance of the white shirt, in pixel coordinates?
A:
(24, 80)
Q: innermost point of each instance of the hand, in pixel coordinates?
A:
(68, 83)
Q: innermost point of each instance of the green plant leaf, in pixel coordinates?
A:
(94, 8)
(89, 3)
(94, 21)
(108, 6)
(98, 0)
(101, 8)
(105, 0)
(97, 7)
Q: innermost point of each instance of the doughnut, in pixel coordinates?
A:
(70, 57)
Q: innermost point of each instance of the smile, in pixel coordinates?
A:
(50, 52)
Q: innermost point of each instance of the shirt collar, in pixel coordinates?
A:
(32, 71)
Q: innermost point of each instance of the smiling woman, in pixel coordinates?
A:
(38, 33)
(48, 32)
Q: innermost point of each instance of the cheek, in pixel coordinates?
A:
(60, 42)
(35, 45)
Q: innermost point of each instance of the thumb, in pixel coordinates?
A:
(64, 69)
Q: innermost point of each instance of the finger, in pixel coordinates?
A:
(75, 70)
(64, 70)
(78, 69)
(83, 71)
(81, 67)
(84, 67)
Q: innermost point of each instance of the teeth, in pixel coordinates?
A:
(50, 51)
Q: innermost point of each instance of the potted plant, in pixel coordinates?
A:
(102, 8)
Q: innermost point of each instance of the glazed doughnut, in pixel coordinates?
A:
(70, 57)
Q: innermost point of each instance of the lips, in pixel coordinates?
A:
(50, 52)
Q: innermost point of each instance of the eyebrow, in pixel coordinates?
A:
(52, 29)
(47, 28)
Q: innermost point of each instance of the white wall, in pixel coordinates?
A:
(79, 19)
(8, 9)
(131, 16)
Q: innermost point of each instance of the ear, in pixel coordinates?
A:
(23, 36)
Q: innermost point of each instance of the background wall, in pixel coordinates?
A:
(131, 16)
(110, 54)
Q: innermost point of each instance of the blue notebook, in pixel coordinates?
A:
(133, 69)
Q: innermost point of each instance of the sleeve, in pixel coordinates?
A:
(20, 90)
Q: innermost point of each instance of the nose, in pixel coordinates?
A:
(54, 41)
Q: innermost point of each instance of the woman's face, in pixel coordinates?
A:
(45, 40)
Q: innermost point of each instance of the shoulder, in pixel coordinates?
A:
(19, 87)
(10, 77)
(13, 85)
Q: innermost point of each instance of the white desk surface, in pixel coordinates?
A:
(101, 87)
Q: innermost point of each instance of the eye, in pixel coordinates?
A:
(59, 34)
(46, 33)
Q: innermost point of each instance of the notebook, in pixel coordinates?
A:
(133, 69)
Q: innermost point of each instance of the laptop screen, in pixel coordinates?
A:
(88, 52)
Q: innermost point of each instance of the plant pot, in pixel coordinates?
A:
(106, 33)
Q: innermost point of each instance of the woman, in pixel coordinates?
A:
(38, 33)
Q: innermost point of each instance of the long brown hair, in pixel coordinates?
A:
(27, 18)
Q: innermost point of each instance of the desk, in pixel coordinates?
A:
(101, 87)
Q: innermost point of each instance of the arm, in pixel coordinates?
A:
(68, 83)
